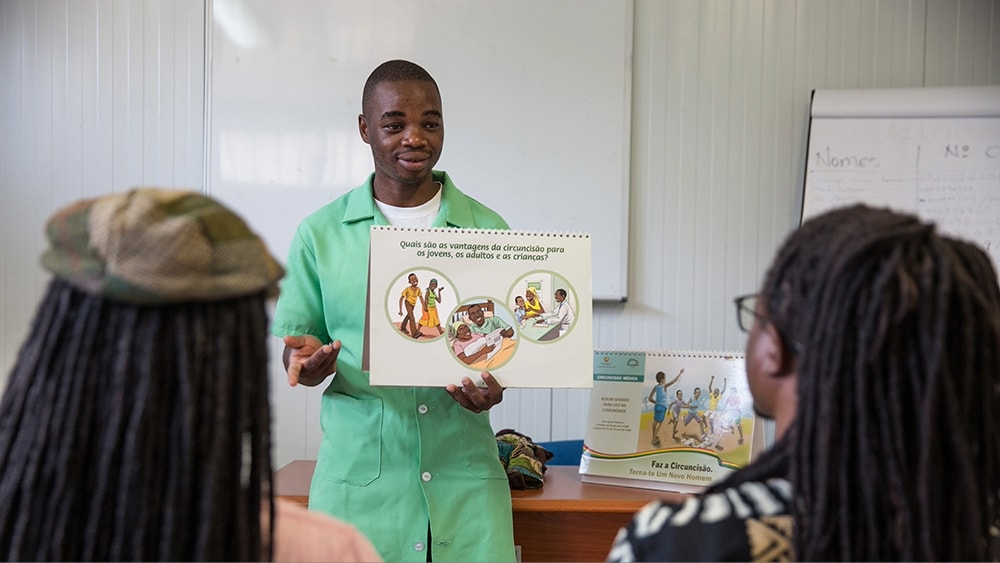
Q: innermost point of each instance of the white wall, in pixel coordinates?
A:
(103, 95)
(95, 97)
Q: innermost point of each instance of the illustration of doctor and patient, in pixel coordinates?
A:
(481, 333)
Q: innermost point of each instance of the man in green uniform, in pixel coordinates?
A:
(415, 469)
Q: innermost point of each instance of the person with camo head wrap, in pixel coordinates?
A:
(136, 422)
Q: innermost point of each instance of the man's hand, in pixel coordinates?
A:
(474, 398)
(308, 361)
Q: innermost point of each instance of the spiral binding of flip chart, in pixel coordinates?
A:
(720, 354)
(492, 232)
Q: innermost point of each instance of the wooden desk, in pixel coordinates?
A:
(291, 482)
(567, 520)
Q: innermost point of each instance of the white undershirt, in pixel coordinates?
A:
(420, 216)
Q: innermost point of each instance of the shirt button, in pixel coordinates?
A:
(422, 409)
(419, 546)
(426, 475)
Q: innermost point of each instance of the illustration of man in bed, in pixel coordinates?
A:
(484, 325)
(479, 340)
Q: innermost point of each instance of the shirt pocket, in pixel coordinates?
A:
(352, 452)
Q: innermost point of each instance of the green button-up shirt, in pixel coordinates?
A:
(393, 460)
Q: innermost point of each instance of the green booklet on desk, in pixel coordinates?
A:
(448, 303)
(675, 421)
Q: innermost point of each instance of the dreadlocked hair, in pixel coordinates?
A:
(894, 453)
(137, 433)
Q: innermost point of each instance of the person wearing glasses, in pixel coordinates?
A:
(859, 304)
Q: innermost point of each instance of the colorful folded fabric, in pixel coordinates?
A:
(523, 459)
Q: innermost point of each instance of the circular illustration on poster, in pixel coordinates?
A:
(481, 334)
(414, 303)
(544, 305)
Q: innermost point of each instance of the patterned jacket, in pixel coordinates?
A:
(750, 521)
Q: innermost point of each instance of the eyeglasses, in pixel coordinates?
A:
(746, 314)
(746, 311)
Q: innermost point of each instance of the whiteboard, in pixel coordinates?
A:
(934, 152)
(536, 97)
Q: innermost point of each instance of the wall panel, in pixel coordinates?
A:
(89, 105)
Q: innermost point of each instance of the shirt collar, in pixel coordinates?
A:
(455, 210)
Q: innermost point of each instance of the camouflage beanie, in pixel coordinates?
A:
(152, 246)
